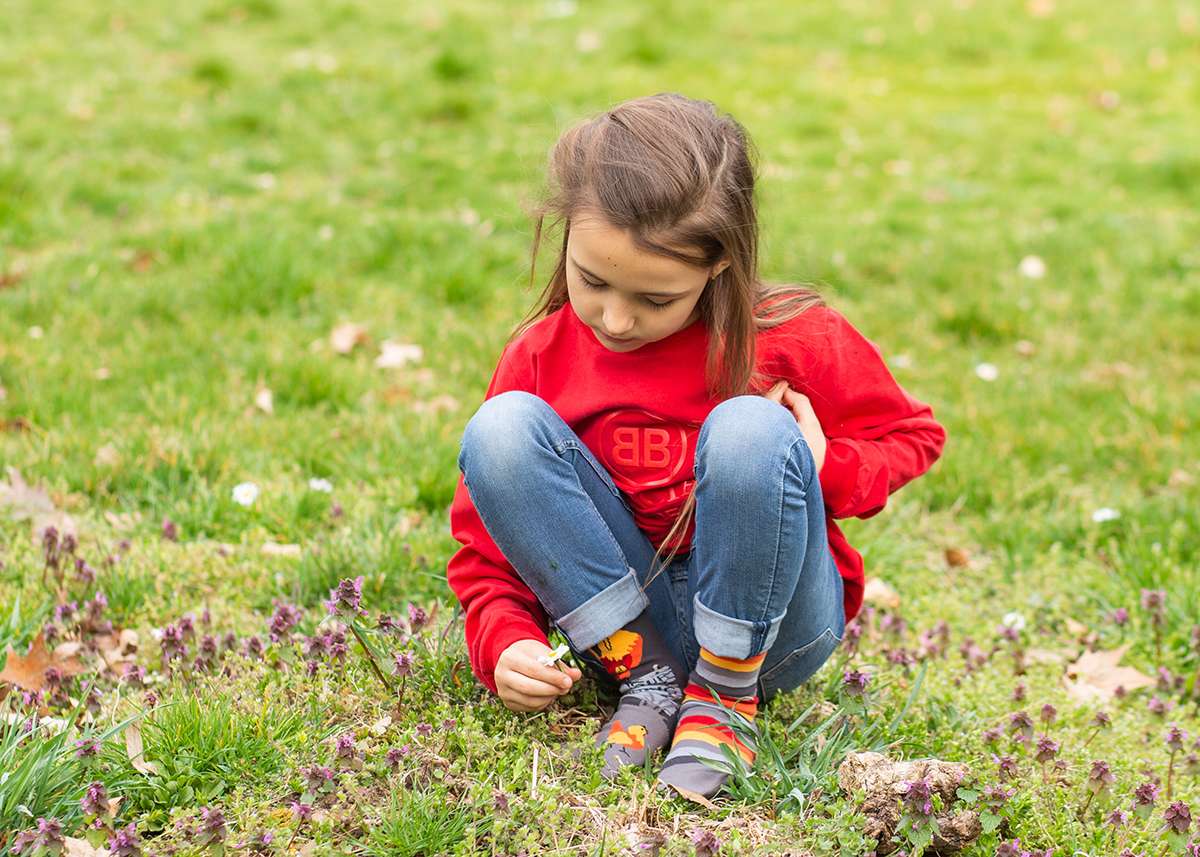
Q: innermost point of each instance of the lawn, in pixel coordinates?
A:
(224, 226)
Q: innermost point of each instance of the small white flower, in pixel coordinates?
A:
(1032, 267)
(245, 493)
(987, 371)
(1105, 514)
(324, 485)
(549, 659)
(1013, 620)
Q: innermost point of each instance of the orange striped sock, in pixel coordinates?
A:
(704, 726)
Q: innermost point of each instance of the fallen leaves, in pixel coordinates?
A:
(1096, 676)
(28, 671)
(276, 549)
(879, 593)
(136, 751)
(394, 355)
(25, 501)
(346, 336)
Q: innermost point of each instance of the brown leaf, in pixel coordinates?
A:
(9, 279)
(393, 355)
(142, 261)
(117, 648)
(274, 549)
(83, 848)
(879, 593)
(1096, 676)
(957, 557)
(133, 746)
(28, 671)
(25, 501)
(345, 336)
(695, 797)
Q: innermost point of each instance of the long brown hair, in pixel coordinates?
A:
(674, 172)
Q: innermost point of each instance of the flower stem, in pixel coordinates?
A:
(370, 656)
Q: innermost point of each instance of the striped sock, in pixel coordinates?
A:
(703, 726)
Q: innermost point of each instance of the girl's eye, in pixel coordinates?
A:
(653, 304)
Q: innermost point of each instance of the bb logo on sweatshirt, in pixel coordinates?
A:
(641, 449)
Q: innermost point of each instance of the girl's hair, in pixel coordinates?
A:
(678, 176)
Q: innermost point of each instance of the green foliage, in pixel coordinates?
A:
(203, 746)
(419, 823)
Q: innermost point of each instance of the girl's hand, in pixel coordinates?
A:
(802, 408)
(523, 684)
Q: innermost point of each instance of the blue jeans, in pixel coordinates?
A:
(759, 575)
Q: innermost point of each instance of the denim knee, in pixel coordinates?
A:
(500, 427)
(744, 429)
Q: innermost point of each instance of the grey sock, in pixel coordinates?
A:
(643, 722)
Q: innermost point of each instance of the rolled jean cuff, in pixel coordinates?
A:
(604, 613)
(728, 637)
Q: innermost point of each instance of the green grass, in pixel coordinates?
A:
(193, 196)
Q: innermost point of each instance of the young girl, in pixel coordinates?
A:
(662, 398)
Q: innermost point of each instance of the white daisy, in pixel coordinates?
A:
(987, 371)
(1105, 514)
(245, 493)
(1032, 267)
(323, 485)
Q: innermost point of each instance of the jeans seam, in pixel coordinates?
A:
(778, 530)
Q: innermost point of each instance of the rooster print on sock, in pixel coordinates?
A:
(650, 460)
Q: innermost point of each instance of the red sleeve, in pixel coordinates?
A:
(878, 436)
(499, 608)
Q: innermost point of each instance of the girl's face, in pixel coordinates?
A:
(623, 293)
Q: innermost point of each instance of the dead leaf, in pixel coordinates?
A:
(380, 726)
(107, 456)
(393, 355)
(25, 501)
(83, 848)
(133, 746)
(1096, 676)
(117, 648)
(28, 671)
(142, 261)
(957, 557)
(695, 797)
(345, 336)
(1048, 656)
(264, 400)
(442, 402)
(274, 549)
(10, 279)
(879, 593)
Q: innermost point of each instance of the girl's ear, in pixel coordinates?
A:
(720, 266)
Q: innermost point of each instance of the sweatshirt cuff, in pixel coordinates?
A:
(506, 630)
(839, 476)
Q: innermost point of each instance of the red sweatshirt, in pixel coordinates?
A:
(640, 413)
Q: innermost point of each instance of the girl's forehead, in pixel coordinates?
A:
(602, 248)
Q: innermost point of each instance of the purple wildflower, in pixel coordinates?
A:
(344, 747)
(1100, 778)
(424, 729)
(1144, 797)
(212, 825)
(499, 800)
(169, 531)
(854, 683)
(124, 842)
(1049, 713)
(417, 617)
(1006, 766)
(86, 748)
(1018, 694)
(1047, 749)
(94, 802)
(403, 665)
(302, 812)
(285, 619)
(252, 647)
(1019, 721)
(705, 843)
(346, 598)
(918, 797)
(1175, 739)
(1120, 616)
(1178, 818)
(1117, 818)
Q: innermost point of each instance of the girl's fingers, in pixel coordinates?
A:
(533, 687)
